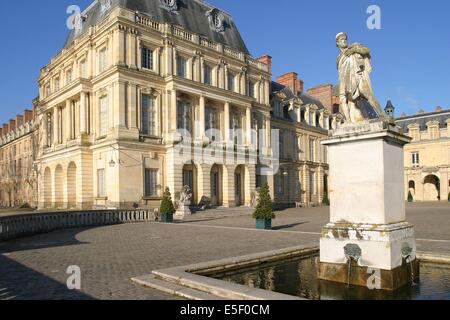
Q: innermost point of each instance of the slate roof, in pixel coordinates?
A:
(423, 119)
(191, 15)
(277, 87)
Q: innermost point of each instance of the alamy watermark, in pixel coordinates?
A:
(374, 19)
(74, 279)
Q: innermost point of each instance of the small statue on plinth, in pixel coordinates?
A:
(357, 100)
(184, 203)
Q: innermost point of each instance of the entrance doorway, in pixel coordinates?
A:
(431, 188)
(239, 177)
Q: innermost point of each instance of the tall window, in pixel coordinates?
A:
(101, 183)
(235, 126)
(69, 76)
(151, 182)
(211, 123)
(251, 89)
(279, 185)
(281, 144)
(49, 129)
(147, 58)
(184, 116)
(83, 70)
(60, 125)
(278, 109)
(231, 80)
(312, 150)
(181, 67)
(57, 85)
(415, 160)
(103, 120)
(148, 115)
(207, 74)
(102, 59)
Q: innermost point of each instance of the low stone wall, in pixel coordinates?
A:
(24, 225)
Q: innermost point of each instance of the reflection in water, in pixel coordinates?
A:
(299, 278)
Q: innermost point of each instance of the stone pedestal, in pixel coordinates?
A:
(182, 212)
(368, 233)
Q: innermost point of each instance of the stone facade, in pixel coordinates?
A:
(113, 103)
(427, 157)
(18, 181)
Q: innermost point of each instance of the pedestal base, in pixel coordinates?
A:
(182, 212)
(385, 254)
(389, 280)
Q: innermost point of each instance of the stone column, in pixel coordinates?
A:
(248, 125)
(131, 55)
(133, 106)
(175, 62)
(268, 133)
(83, 113)
(157, 61)
(68, 120)
(56, 126)
(226, 120)
(173, 111)
(229, 199)
(202, 114)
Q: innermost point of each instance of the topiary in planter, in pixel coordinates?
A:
(326, 200)
(410, 197)
(264, 210)
(449, 197)
(167, 209)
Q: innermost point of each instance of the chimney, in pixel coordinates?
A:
(28, 115)
(291, 81)
(438, 109)
(12, 125)
(1, 132)
(299, 85)
(19, 120)
(266, 59)
(324, 93)
(5, 128)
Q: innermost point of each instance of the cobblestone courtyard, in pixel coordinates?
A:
(35, 267)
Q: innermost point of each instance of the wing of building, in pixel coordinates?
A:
(152, 94)
(427, 157)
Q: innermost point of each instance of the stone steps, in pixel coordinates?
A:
(151, 281)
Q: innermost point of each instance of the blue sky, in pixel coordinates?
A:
(411, 53)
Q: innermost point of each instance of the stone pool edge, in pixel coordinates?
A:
(191, 281)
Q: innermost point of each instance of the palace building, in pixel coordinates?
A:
(18, 181)
(164, 93)
(427, 157)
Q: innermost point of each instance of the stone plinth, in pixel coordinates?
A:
(182, 212)
(368, 224)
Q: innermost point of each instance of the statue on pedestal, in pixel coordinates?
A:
(184, 203)
(357, 100)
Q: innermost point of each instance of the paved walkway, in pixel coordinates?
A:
(35, 267)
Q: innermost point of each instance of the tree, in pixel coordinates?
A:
(410, 197)
(264, 209)
(167, 206)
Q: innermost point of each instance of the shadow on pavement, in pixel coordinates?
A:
(18, 282)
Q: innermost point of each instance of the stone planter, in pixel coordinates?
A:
(166, 218)
(263, 224)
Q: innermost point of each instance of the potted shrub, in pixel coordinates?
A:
(449, 197)
(410, 197)
(326, 200)
(167, 209)
(264, 210)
